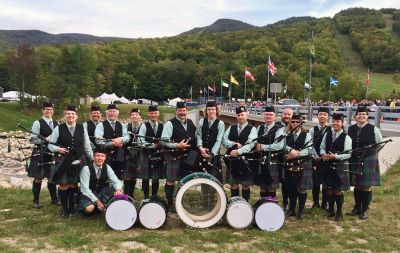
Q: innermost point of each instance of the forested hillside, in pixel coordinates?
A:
(163, 68)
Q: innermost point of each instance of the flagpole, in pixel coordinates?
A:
(244, 88)
(269, 59)
(366, 86)
(222, 98)
(191, 93)
(330, 90)
(309, 90)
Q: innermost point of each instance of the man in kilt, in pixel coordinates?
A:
(95, 182)
(298, 167)
(39, 166)
(336, 171)
(72, 144)
(132, 152)
(269, 144)
(317, 132)
(152, 166)
(287, 114)
(181, 152)
(90, 125)
(364, 161)
(238, 141)
(209, 134)
(111, 135)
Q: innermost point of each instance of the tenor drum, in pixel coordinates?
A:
(121, 212)
(200, 200)
(269, 216)
(153, 212)
(239, 213)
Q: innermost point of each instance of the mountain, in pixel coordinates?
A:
(292, 20)
(221, 25)
(13, 38)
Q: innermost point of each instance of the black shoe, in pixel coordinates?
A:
(338, 217)
(315, 205)
(56, 202)
(290, 213)
(64, 214)
(353, 212)
(330, 214)
(285, 208)
(36, 205)
(363, 215)
(300, 216)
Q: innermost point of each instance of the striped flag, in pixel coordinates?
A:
(271, 67)
(224, 84)
(249, 75)
(210, 88)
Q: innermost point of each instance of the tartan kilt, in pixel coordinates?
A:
(173, 167)
(301, 180)
(151, 168)
(132, 164)
(370, 172)
(232, 179)
(273, 171)
(104, 196)
(318, 171)
(71, 175)
(39, 171)
(341, 170)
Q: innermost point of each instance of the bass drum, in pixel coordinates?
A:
(239, 213)
(200, 200)
(153, 212)
(269, 216)
(121, 212)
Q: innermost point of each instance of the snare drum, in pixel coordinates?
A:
(153, 212)
(121, 212)
(239, 213)
(269, 216)
(200, 200)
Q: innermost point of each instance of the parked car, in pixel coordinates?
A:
(288, 101)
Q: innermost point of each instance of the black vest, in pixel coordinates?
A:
(45, 129)
(270, 137)
(179, 133)
(91, 127)
(299, 143)
(96, 185)
(109, 133)
(318, 136)
(75, 143)
(234, 136)
(362, 137)
(209, 134)
(130, 129)
(337, 145)
(150, 132)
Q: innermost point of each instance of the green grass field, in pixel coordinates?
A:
(23, 229)
(11, 114)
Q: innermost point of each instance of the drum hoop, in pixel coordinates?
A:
(194, 176)
(164, 218)
(107, 217)
(241, 201)
(188, 219)
(269, 203)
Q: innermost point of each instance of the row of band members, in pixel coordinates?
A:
(116, 151)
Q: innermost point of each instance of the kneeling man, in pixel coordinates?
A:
(95, 182)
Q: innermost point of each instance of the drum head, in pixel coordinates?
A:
(152, 215)
(239, 214)
(200, 202)
(269, 217)
(121, 215)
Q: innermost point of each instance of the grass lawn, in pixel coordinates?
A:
(23, 228)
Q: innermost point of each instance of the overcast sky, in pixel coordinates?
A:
(158, 18)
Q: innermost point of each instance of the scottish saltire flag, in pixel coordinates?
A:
(307, 86)
(333, 81)
(271, 67)
(249, 75)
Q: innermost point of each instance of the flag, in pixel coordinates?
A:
(210, 88)
(333, 81)
(233, 80)
(249, 75)
(307, 86)
(368, 81)
(271, 67)
(224, 84)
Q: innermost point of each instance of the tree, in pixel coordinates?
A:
(22, 68)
